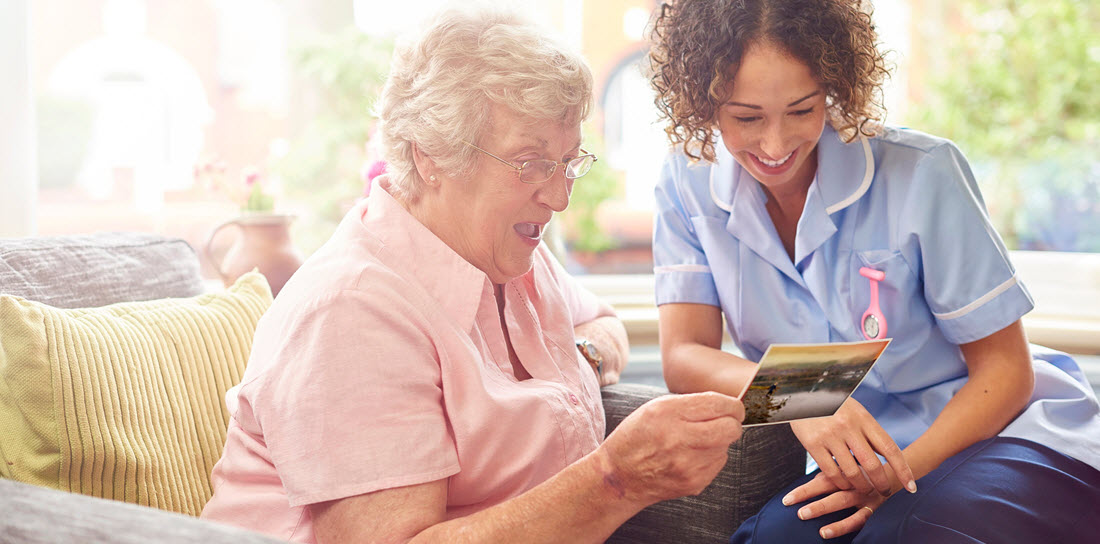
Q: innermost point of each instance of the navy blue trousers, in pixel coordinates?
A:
(998, 490)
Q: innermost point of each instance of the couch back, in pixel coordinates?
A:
(92, 270)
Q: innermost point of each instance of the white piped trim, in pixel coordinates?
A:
(714, 194)
(982, 300)
(868, 174)
(681, 268)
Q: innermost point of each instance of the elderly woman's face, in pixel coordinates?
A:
(495, 221)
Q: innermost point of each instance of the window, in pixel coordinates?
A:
(132, 95)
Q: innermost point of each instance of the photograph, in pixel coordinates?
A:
(798, 381)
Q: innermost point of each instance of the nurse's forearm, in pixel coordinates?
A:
(1000, 384)
(693, 368)
(975, 413)
(691, 351)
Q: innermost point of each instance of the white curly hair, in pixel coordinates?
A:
(442, 86)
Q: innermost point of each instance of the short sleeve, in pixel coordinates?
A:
(355, 401)
(969, 282)
(680, 267)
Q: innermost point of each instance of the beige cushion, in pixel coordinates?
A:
(124, 401)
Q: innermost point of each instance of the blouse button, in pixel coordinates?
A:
(573, 398)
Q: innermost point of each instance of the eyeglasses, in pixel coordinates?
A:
(540, 170)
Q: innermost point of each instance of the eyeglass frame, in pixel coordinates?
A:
(519, 169)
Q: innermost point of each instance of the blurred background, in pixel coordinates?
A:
(173, 116)
(152, 114)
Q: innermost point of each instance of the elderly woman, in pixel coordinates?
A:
(419, 378)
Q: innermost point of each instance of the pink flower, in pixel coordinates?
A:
(372, 171)
(250, 175)
(376, 169)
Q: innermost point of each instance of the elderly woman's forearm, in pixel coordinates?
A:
(579, 504)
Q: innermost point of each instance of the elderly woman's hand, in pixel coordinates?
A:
(671, 446)
(845, 446)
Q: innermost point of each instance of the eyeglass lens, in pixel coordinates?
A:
(540, 170)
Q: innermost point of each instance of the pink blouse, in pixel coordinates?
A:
(382, 364)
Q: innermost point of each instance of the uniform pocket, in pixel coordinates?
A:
(900, 294)
(874, 257)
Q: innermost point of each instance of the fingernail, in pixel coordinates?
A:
(911, 486)
(802, 513)
(826, 533)
(788, 500)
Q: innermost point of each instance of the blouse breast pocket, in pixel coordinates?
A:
(900, 295)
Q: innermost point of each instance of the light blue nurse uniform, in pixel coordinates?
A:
(904, 203)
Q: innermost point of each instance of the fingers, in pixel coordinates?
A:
(706, 406)
(894, 456)
(719, 432)
(880, 441)
(706, 420)
(846, 447)
(873, 470)
(828, 466)
(819, 485)
(850, 470)
(609, 377)
(841, 500)
(850, 524)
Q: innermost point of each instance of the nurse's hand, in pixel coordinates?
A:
(844, 446)
(835, 500)
(670, 446)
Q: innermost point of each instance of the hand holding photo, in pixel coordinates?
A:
(798, 381)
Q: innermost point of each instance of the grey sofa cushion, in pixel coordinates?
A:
(36, 515)
(94, 270)
(764, 461)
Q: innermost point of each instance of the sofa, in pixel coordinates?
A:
(115, 356)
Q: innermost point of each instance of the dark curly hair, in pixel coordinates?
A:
(697, 46)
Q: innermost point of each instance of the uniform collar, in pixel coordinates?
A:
(845, 170)
(416, 254)
(844, 174)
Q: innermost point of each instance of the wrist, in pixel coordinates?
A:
(592, 354)
(614, 485)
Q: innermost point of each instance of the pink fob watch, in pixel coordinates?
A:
(874, 323)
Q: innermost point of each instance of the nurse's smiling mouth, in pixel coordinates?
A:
(773, 168)
(775, 163)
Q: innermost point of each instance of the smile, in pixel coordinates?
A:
(773, 164)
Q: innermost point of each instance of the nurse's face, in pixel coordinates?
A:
(494, 220)
(773, 118)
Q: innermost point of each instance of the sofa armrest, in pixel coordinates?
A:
(763, 462)
(36, 515)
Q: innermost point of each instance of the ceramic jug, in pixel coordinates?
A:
(263, 243)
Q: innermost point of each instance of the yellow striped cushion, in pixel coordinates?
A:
(126, 401)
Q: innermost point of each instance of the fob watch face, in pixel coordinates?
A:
(870, 326)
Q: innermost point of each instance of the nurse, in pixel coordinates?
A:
(790, 211)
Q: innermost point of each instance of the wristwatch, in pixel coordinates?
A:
(591, 354)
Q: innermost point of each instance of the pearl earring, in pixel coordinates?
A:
(431, 178)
